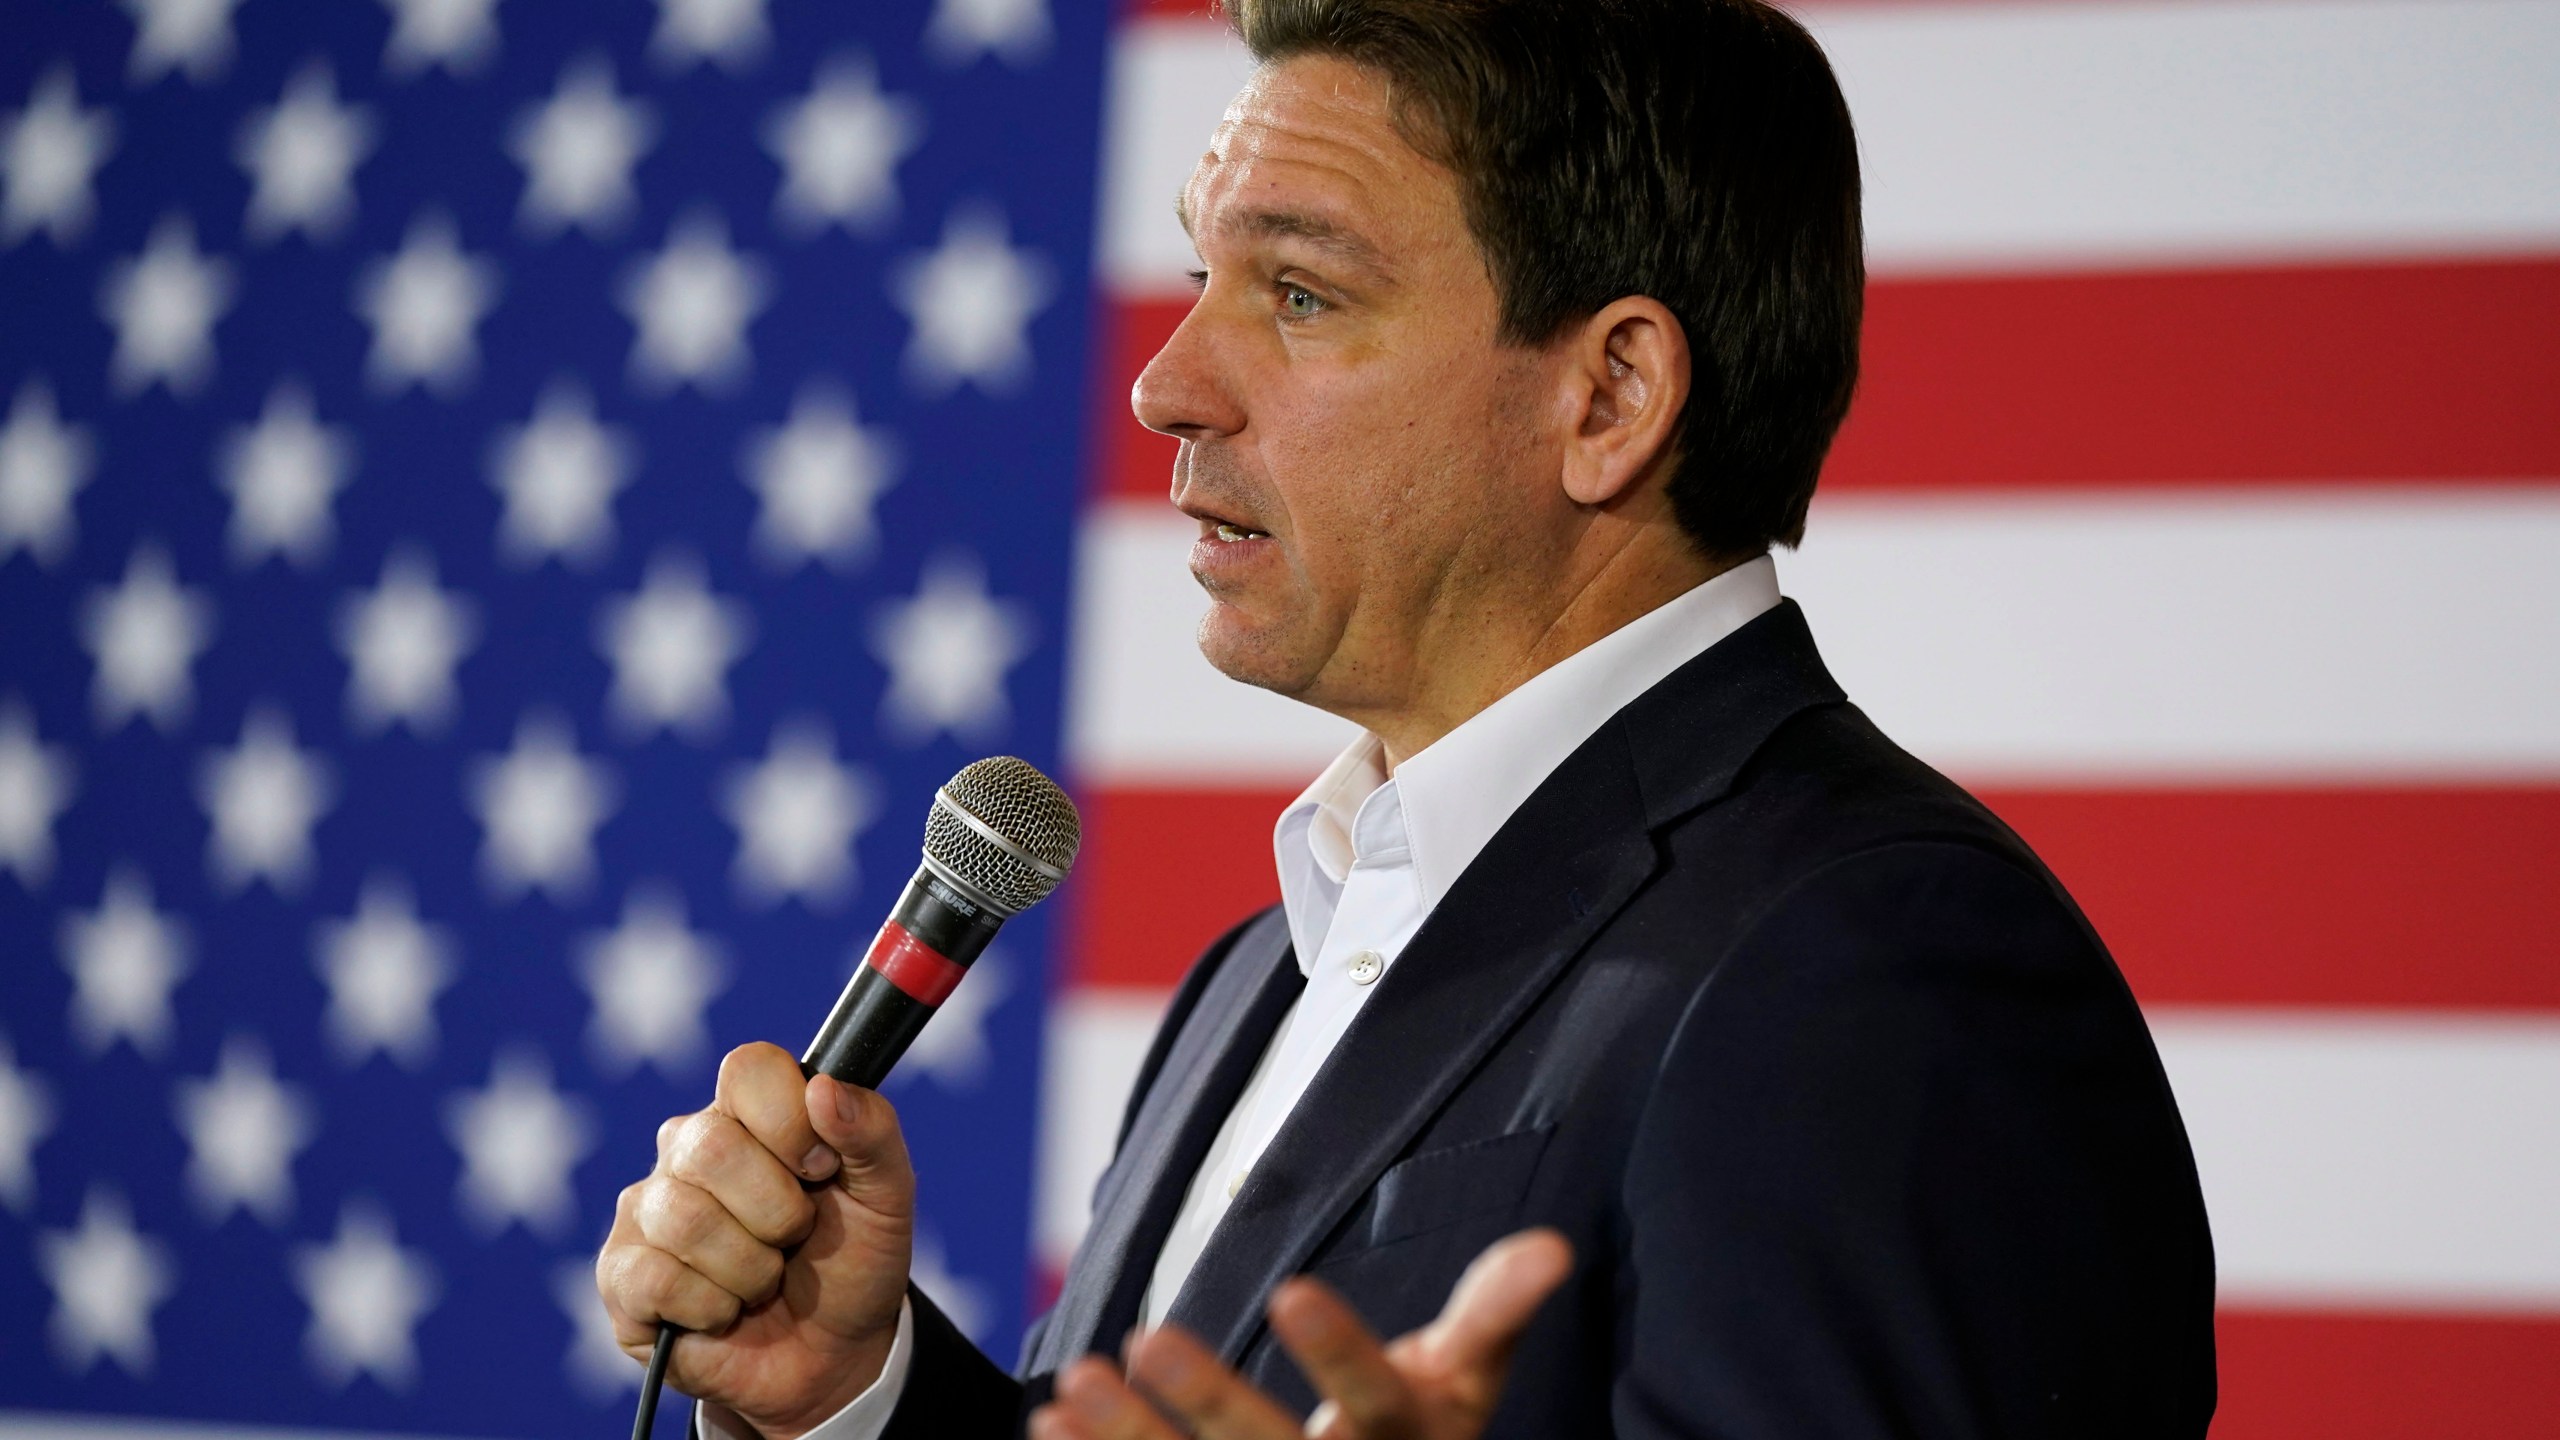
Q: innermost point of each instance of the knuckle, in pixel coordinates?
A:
(680, 1218)
(707, 1148)
(765, 1274)
(751, 1060)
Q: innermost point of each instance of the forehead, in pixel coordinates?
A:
(1310, 147)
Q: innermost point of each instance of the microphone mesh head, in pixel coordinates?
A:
(1036, 821)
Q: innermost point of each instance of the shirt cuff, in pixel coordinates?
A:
(864, 1419)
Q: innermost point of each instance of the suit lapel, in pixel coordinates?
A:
(1558, 871)
(1140, 1194)
(1554, 875)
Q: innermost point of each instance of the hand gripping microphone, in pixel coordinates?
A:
(998, 839)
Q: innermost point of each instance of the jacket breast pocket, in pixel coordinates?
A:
(1476, 1180)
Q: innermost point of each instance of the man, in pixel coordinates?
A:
(1523, 328)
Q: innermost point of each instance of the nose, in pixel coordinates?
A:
(1184, 391)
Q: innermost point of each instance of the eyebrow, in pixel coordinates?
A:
(1325, 235)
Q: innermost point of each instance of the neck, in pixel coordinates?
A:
(1485, 654)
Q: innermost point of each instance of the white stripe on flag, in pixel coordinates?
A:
(2016, 136)
(2394, 1162)
(2153, 637)
(1098, 1038)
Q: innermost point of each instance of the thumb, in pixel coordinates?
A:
(1495, 1300)
(861, 1126)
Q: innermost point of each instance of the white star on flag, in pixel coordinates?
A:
(595, 1362)
(839, 148)
(49, 154)
(424, 304)
(263, 797)
(402, 640)
(962, 30)
(947, 651)
(540, 806)
(819, 476)
(301, 156)
(106, 1281)
(189, 35)
(144, 635)
(558, 475)
(163, 304)
(962, 1302)
(283, 475)
(690, 304)
(124, 958)
(243, 1129)
(953, 1049)
(459, 35)
(366, 1296)
(671, 644)
(649, 978)
(26, 1117)
(519, 1139)
(577, 149)
(971, 300)
(384, 970)
(797, 814)
(732, 32)
(43, 464)
(36, 784)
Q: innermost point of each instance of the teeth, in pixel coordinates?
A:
(1233, 533)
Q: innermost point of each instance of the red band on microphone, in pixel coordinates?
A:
(923, 972)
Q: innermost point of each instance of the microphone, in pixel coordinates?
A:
(998, 839)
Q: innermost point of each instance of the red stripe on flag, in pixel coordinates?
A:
(2292, 375)
(2384, 897)
(1161, 874)
(2295, 1375)
(2398, 897)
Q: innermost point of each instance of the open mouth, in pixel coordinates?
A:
(1229, 533)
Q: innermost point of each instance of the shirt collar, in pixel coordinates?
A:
(1450, 799)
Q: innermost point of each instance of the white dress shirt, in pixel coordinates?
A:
(1364, 858)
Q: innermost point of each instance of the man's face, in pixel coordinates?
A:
(1363, 454)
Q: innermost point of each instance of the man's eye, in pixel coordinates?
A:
(1299, 303)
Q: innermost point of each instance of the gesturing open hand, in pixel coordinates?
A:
(1437, 1383)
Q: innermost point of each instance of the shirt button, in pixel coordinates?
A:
(1366, 966)
(1235, 1184)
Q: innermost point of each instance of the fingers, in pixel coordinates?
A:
(1347, 1364)
(1185, 1377)
(644, 1287)
(1494, 1301)
(761, 1088)
(716, 1154)
(862, 1129)
(1094, 1403)
(687, 1223)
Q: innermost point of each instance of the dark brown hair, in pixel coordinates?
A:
(1694, 151)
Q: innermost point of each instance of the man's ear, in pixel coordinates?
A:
(1625, 381)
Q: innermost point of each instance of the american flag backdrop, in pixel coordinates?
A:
(507, 509)
(2201, 508)
(507, 512)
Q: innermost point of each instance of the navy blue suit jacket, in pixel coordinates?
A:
(1852, 1122)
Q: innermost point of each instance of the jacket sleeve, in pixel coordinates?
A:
(1911, 1169)
(954, 1392)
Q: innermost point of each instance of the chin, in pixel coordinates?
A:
(1251, 654)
